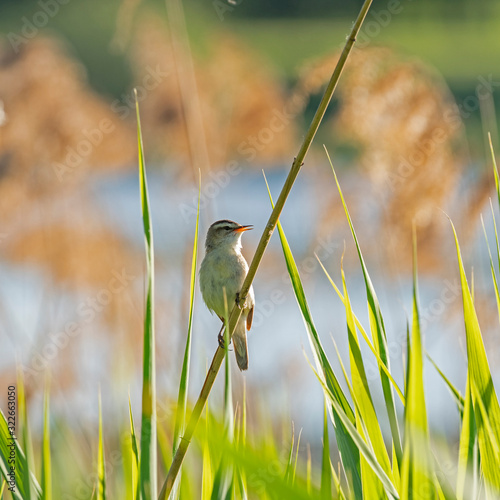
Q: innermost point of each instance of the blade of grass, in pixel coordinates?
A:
(459, 399)
(495, 169)
(372, 488)
(130, 459)
(25, 434)
(289, 462)
(164, 445)
(395, 470)
(361, 393)
(180, 415)
(347, 448)
(338, 486)
(261, 248)
(359, 326)
(492, 268)
(309, 470)
(296, 461)
(148, 459)
(224, 477)
(326, 475)
(46, 457)
(480, 379)
(207, 479)
(467, 443)
(416, 472)
(101, 467)
(261, 464)
(134, 470)
(362, 446)
(9, 447)
(242, 430)
(377, 328)
(184, 381)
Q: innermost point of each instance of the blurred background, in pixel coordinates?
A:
(228, 89)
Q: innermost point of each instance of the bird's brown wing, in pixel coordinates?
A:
(249, 319)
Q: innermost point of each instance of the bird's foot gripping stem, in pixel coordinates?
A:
(221, 338)
(239, 302)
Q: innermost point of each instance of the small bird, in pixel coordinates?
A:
(225, 267)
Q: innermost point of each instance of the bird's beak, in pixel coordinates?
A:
(242, 228)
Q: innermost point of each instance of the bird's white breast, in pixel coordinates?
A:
(222, 268)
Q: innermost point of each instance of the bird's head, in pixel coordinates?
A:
(225, 233)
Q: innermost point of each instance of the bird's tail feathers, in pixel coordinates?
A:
(240, 344)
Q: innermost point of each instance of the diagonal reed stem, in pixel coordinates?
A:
(261, 248)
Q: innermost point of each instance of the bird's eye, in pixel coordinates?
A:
(227, 228)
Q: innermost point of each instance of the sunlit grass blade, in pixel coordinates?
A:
(492, 268)
(467, 445)
(130, 459)
(101, 467)
(164, 446)
(372, 488)
(481, 384)
(395, 470)
(180, 416)
(2, 489)
(289, 462)
(133, 472)
(358, 439)
(262, 466)
(485, 420)
(184, 381)
(296, 461)
(459, 399)
(9, 447)
(309, 469)
(326, 475)
(224, 477)
(365, 407)
(338, 486)
(148, 458)
(416, 470)
(241, 479)
(346, 446)
(495, 169)
(377, 329)
(46, 456)
(25, 434)
(359, 326)
(207, 476)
